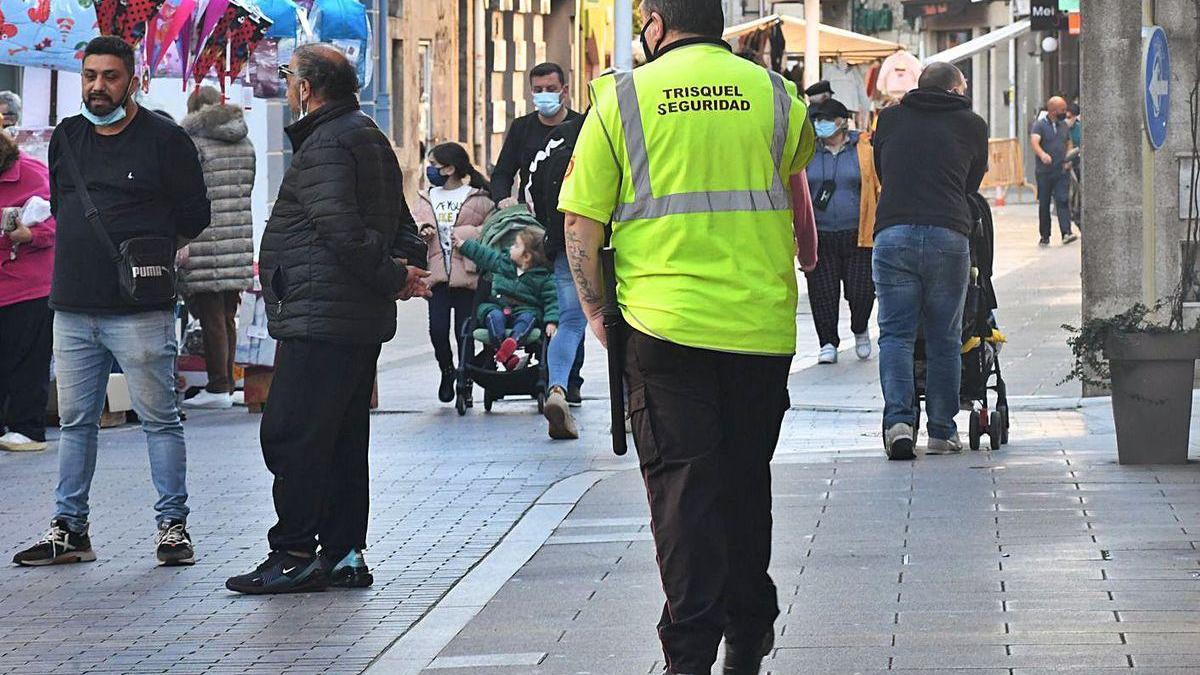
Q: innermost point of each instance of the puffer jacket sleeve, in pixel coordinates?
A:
(325, 189)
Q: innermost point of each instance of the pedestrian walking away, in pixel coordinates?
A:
(704, 266)
(527, 135)
(336, 255)
(219, 264)
(454, 207)
(1050, 137)
(565, 353)
(26, 268)
(922, 253)
(143, 176)
(841, 180)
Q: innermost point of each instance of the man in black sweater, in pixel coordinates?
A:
(528, 134)
(931, 152)
(143, 174)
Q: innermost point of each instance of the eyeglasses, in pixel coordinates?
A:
(285, 72)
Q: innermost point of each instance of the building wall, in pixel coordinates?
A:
(1118, 268)
(425, 81)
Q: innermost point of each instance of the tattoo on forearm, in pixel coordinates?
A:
(579, 259)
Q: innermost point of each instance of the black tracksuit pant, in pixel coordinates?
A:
(843, 268)
(26, 339)
(315, 433)
(460, 301)
(706, 424)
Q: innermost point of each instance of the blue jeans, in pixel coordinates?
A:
(565, 353)
(498, 322)
(921, 274)
(84, 349)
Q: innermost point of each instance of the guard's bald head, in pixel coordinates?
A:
(1057, 105)
(328, 72)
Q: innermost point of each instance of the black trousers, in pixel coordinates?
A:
(843, 267)
(26, 340)
(315, 433)
(445, 300)
(706, 425)
(1054, 187)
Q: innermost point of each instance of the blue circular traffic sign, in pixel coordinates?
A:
(1156, 80)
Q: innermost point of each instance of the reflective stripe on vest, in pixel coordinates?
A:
(646, 205)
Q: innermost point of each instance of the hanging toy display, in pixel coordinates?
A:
(241, 40)
(45, 33)
(343, 23)
(126, 19)
(229, 43)
(162, 34)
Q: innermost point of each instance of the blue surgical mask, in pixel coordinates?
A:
(548, 103)
(435, 177)
(108, 120)
(825, 128)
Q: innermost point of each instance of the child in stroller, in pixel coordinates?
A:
(523, 293)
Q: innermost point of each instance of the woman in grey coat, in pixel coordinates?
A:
(218, 265)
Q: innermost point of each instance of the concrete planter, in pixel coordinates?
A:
(1152, 376)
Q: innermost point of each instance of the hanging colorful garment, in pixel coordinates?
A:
(126, 19)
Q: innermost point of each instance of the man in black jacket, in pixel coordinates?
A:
(931, 152)
(331, 271)
(142, 174)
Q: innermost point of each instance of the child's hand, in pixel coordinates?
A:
(551, 329)
(455, 242)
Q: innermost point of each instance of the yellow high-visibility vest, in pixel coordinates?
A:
(689, 157)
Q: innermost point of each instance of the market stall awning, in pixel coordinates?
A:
(981, 44)
(835, 42)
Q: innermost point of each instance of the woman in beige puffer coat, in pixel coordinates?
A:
(454, 207)
(219, 264)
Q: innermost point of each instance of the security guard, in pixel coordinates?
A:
(689, 157)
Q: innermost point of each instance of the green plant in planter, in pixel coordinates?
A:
(1087, 342)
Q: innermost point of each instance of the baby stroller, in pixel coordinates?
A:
(981, 341)
(477, 364)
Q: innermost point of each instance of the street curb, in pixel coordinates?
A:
(416, 649)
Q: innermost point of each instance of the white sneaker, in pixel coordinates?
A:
(828, 354)
(207, 400)
(14, 442)
(862, 346)
(942, 446)
(898, 442)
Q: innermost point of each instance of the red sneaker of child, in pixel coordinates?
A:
(506, 350)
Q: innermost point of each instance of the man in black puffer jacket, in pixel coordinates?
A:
(332, 265)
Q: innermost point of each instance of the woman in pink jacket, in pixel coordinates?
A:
(26, 267)
(455, 207)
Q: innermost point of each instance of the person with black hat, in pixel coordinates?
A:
(840, 173)
(819, 92)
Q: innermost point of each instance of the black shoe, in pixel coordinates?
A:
(446, 388)
(174, 544)
(58, 546)
(282, 573)
(349, 572)
(741, 660)
(1044, 241)
(574, 396)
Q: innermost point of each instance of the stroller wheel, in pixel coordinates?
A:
(460, 404)
(487, 403)
(541, 401)
(974, 431)
(1004, 425)
(995, 430)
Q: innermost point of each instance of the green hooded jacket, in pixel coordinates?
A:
(533, 291)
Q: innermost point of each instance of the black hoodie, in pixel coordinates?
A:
(931, 152)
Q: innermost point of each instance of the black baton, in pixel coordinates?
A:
(614, 329)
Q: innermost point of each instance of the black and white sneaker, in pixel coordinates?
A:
(174, 544)
(282, 572)
(349, 572)
(60, 545)
(574, 396)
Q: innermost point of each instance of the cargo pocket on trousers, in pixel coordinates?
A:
(643, 427)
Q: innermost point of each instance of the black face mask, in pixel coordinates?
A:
(652, 54)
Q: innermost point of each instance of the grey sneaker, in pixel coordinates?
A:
(898, 442)
(942, 446)
(558, 414)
